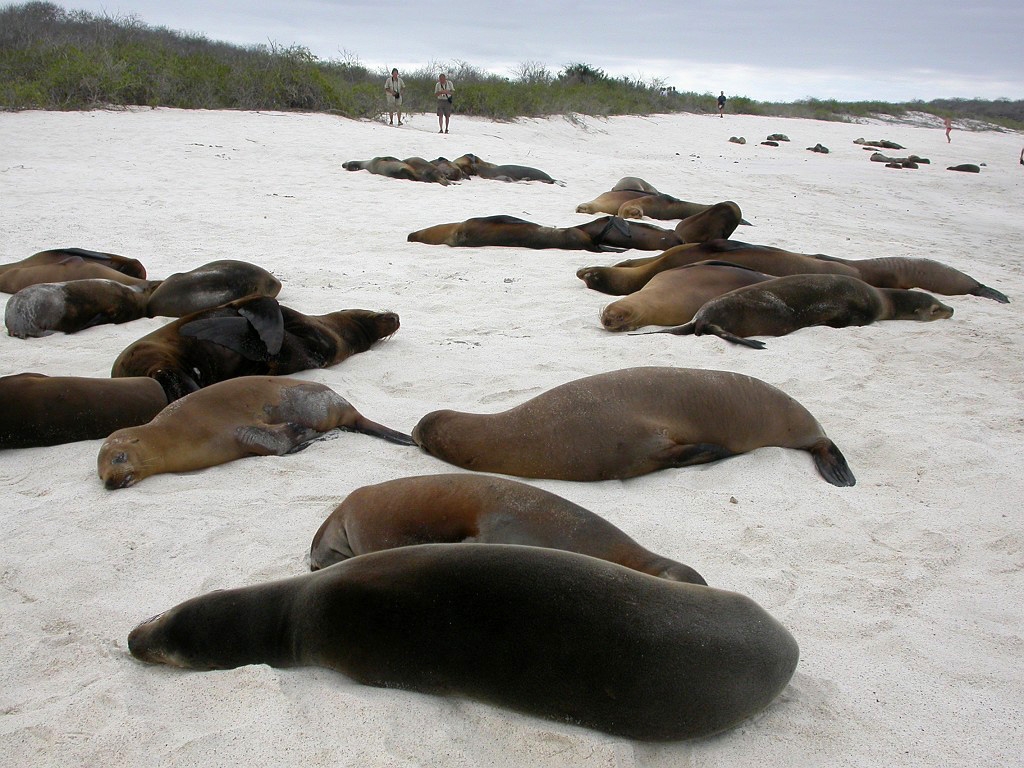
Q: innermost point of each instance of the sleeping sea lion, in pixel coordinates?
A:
(780, 306)
(63, 264)
(629, 422)
(210, 285)
(394, 168)
(43, 410)
(545, 632)
(251, 336)
(246, 416)
(481, 509)
(471, 165)
(43, 308)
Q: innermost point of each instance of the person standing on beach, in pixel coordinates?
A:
(394, 86)
(443, 90)
(949, 127)
(721, 104)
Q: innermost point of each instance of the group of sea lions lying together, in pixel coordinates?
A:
(444, 171)
(553, 611)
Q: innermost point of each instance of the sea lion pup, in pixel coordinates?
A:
(884, 272)
(394, 168)
(63, 264)
(544, 632)
(783, 305)
(673, 296)
(471, 165)
(210, 285)
(630, 422)
(43, 410)
(251, 336)
(482, 509)
(608, 233)
(246, 416)
(43, 308)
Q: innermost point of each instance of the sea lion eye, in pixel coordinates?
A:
(119, 458)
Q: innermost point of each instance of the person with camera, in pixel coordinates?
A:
(394, 86)
(443, 90)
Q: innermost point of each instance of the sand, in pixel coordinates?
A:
(904, 592)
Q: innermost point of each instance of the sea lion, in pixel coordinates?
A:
(883, 272)
(635, 183)
(471, 165)
(783, 305)
(714, 223)
(63, 264)
(673, 296)
(252, 336)
(246, 416)
(603, 234)
(394, 168)
(210, 285)
(545, 632)
(43, 410)
(482, 509)
(911, 160)
(451, 171)
(882, 144)
(965, 167)
(629, 422)
(43, 308)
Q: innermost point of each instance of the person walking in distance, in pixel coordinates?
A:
(443, 90)
(394, 86)
(949, 127)
(721, 104)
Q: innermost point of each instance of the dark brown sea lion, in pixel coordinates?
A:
(635, 183)
(63, 264)
(481, 509)
(210, 285)
(394, 168)
(471, 165)
(883, 272)
(911, 160)
(451, 171)
(43, 410)
(603, 234)
(673, 296)
(251, 336)
(629, 422)
(965, 167)
(716, 222)
(42, 308)
(786, 304)
(545, 632)
(246, 416)
(883, 144)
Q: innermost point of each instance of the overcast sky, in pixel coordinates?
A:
(891, 50)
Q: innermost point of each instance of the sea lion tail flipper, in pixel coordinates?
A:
(234, 333)
(677, 330)
(367, 427)
(731, 337)
(832, 464)
(688, 454)
(265, 315)
(990, 293)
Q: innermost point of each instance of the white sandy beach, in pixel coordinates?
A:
(904, 592)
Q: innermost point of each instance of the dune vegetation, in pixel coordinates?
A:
(52, 58)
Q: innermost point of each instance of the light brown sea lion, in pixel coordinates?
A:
(210, 285)
(481, 509)
(471, 165)
(246, 416)
(884, 272)
(545, 632)
(49, 410)
(43, 308)
(786, 304)
(629, 422)
(63, 264)
(394, 168)
(673, 296)
(451, 171)
(252, 336)
(603, 234)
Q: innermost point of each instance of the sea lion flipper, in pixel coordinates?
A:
(832, 464)
(677, 330)
(234, 333)
(176, 384)
(990, 293)
(265, 315)
(275, 439)
(730, 337)
(688, 454)
(367, 427)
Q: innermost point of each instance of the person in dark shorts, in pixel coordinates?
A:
(443, 90)
(721, 104)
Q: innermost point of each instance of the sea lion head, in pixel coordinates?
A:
(122, 460)
(619, 316)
